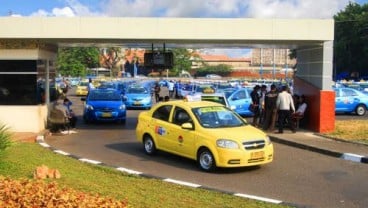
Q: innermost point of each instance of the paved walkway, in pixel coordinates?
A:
(308, 140)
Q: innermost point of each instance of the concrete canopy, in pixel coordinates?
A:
(312, 39)
(174, 32)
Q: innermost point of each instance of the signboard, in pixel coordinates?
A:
(158, 59)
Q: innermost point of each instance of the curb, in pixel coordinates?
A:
(345, 156)
(40, 141)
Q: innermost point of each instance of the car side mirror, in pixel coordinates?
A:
(187, 125)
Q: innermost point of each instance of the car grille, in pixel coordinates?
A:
(256, 144)
(105, 109)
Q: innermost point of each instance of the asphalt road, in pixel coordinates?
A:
(296, 176)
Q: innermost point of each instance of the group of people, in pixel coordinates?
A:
(274, 106)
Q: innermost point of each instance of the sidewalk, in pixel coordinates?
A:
(311, 141)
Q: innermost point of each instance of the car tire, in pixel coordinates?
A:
(205, 160)
(149, 145)
(123, 121)
(360, 110)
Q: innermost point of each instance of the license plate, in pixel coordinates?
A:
(106, 115)
(257, 155)
(137, 103)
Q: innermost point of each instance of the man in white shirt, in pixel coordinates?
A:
(285, 106)
(170, 86)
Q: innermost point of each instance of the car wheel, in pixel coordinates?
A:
(149, 145)
(360, 110)
(85, 119)
(205, 160)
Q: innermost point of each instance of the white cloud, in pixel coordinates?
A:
(58, 12)
(294, 8)
(228, 8)
(202, 8)
(63, 12)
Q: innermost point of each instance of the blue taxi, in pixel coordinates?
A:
(137, 96)
(104, 105)
(349, 100)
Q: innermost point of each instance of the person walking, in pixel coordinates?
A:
(90, 85)
(270, 111)
(262, 105)
(170, 86)
(157, 90)
(285, 106)
(255, 95)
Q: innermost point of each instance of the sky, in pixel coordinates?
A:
(316, 9)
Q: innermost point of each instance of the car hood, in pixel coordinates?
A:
(137, 96)
(240, 134)
(104, 104)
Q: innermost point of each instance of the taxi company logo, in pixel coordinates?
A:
(160, 130)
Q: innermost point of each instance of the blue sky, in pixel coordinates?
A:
(321, 9)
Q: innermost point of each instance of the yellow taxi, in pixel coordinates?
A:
(207, 132)
(82, 88)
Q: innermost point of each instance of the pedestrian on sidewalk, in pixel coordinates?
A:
(270, 111)
(285, 106)
(255, 95)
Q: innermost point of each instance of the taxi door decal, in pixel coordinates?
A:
(160, 130)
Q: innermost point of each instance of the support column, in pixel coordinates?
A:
(314, 80)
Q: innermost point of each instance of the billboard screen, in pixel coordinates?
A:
(158, 59)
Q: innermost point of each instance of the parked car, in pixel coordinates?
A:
(206, 132)
(213, 76)
(186, 89)
(349, 100)
(82, 88)
(137, 96)
(104, 105)
(239, 100)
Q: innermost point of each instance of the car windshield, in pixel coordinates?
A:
(137, 90)
(217, 117)
(104, 95)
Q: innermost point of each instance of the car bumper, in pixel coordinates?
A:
(243, 158)
(104, 116)
(138, 105)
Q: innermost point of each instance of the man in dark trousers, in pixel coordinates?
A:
(255, 95)
(285, 106)
(270, 111)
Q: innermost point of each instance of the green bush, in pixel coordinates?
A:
(221, 69)
(5, 137)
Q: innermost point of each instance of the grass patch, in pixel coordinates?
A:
(20, 160)
(350, 130)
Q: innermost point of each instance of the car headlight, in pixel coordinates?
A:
(267, 140)
(225, 143)
(89, 107)
(122, 107)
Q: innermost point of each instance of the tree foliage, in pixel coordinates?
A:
(75, 61)
(182, 60)
(351, 39)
